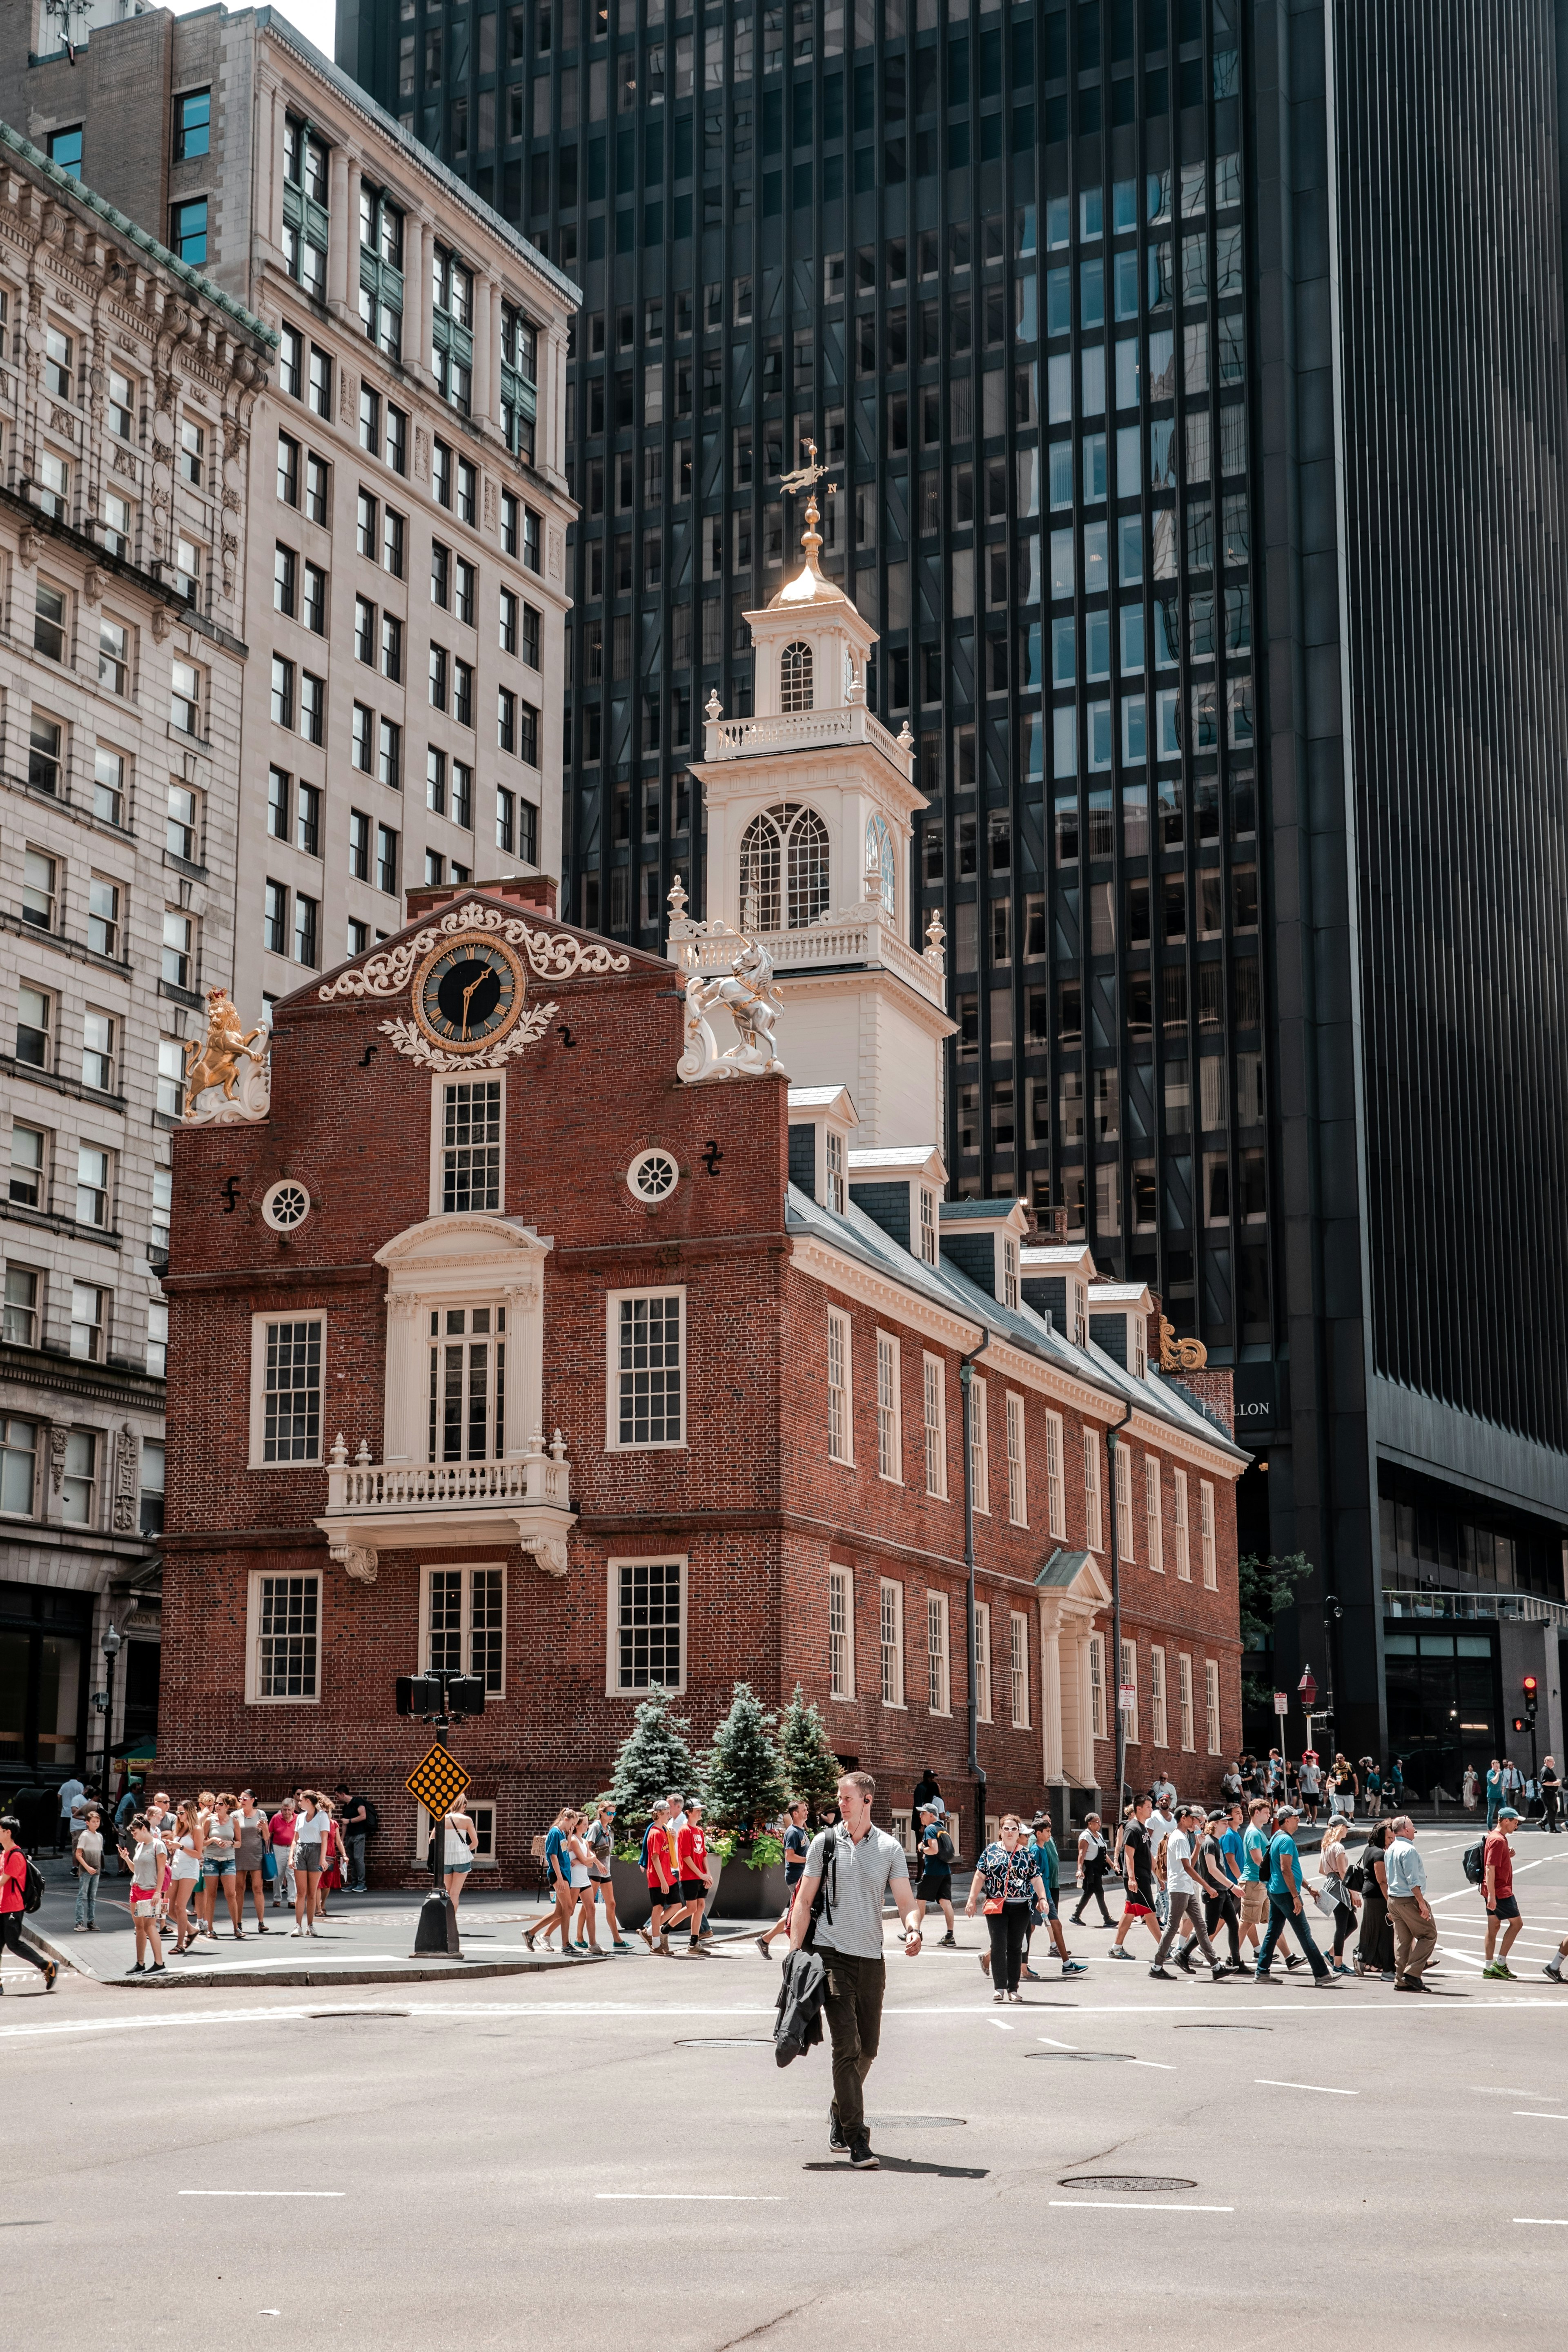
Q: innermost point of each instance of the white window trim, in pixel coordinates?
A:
(1186, 1717)
(979, 1439)
(1124, 1504)
(1159, 1726)
(1056, 1493)
(1018, 1667)
(1211, 1706)
(836, 1568)
(1128, 1673)
(888, 1588)
(258, 1324)
(939, 1654)
(981, 1663)
(613, 1300)
(427, 1570)
(1206, 1531)
(1153, 1513)
(890, 1354)
(839, 1321)
(613, 1568)
(1183, 1545)
(1093, 1512)
(253, 1636)
(903, 1830)
(934, 1387)
(1097, 1686)
(440, 1082)
(1017, 1464)
(473, 1807)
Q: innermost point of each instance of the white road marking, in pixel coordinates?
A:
(1157, 2062)
(262, 2193)
(1054, 2045)
(1133, 2205)
(998, 2024)
(1541, 2115)
(1538, 2222)
(1329, 2089)
(1470, 1959)
(679, 2197)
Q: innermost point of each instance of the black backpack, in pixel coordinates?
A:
(822, 1902)
(372, 1821)
(33, 1885)
(1474, 1859)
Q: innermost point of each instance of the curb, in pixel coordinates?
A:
(434, 1972)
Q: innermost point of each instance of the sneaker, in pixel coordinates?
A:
(140, 1969)
(1294, 1961)
(1119, 1952)
(1074, 1969)
(1164, 1973)
(50, 1973)
(1033, 1975)
(1553, 1969)
(1494, 1968)
(998, 1997)
(1264, 1977)
(836, 2143)
(1219, 1972)
(1326, 1982)
(950, 1942)
(860, 2154)
(763, 1947)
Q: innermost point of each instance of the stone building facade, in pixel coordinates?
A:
(586, 1351)
(127, 385)
(405, 578)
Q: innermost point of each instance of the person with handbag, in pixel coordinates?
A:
(1092, 1860)
(1336, 1861)
(601, 1843)
(558, 1883)
(1374, 1954)
(252, 1851)
(1007, 1880)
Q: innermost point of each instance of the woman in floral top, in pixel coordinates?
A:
(1006, 1875)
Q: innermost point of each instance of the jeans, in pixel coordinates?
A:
(1550, 1800)
(356, 1861)
(86, 1899)
(1092, 1891)
(1009, 1928)
(11, 1940)
(1188, 1908)
(1281, 1914)
(1223, 1907)
(1415, 1938)
(853, 2006)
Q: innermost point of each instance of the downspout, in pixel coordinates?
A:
(1116, 1610)
(976, 1770)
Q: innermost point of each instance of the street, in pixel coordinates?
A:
(610, 2155)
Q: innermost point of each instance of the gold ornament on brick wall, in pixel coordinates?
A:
(218, 1091)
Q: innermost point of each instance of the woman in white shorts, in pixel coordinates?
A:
(457, 1857)
(184, 1870)
(309, 1835)
(582, 1884)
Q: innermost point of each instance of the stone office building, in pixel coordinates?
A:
(128, 383)
(405, 578)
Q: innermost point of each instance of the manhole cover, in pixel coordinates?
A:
(725, 2041)
(1223, 2028)
(1085, 2057)
(911, 2123)
(1146, 2184)
(336, 2016)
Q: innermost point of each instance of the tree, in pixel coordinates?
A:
(810, 1765)
(743, 1772)
(654, 1758)
(1265, 1587)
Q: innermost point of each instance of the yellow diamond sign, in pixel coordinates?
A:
(438, 1781)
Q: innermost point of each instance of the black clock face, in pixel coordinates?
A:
(469, 995)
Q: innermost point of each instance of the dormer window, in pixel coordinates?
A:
(796, 678)
(783, 870)
(880, 858)
(1009, 1271)
(927, 1227)
(834, 1170)
(1080, 1319)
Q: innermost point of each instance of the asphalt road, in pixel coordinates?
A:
(611, 2157)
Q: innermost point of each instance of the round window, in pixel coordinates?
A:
(288, 1205)
(652, 1176)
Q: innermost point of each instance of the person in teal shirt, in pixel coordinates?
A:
(1045, 1859)
(1285, 1908)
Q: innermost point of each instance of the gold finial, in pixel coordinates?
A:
(805, 477)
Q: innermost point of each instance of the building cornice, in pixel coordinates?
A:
(109, 1384)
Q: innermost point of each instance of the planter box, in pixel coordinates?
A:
(632, 1906)
(747, 1894)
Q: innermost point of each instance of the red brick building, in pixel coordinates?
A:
(529, 1333)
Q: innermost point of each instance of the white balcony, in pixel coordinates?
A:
(862, 940)
(374, 1506)
(806, 730)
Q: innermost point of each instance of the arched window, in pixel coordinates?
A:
(795, 677)
(784, 869)
(879, 844)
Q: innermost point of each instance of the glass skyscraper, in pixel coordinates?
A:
(1100, 317)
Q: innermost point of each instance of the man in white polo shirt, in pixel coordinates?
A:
(867, 1866)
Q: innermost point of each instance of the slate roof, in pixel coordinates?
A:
(860, 1236)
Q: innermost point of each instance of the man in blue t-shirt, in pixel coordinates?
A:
(1284, 1904)
(934, 1884)
(796, 1844)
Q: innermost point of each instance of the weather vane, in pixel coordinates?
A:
(805, 477)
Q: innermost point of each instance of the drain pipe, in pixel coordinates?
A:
(976, 1770)
(1116, 1609)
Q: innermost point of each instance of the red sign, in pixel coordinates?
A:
(1307, 1690)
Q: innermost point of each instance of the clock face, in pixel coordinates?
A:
(469, 994)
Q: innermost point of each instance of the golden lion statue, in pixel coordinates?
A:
(214, 1061)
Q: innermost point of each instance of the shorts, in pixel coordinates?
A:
(308, 1859)
(935, 1887)
(186, 1876)
(1253, 1903)
(661, 1897)
(142, 1894)
(1136, 1908)
(1505, 1907)
(211, 1869)
(1050, 1907)
(694, 1890)
(451, 1868)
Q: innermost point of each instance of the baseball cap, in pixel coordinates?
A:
(1507, 1813)
(1289, 1813)
(936, 1806)
(1041, 1821)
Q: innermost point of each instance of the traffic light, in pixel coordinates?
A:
(1532, 1694)
(465, 1694)
(1519, 1724)
(418, 1694)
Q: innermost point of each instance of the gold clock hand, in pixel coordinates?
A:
(466, 993)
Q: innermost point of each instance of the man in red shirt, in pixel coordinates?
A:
(13, 1889)
(659, 1867)
(691, 1861)
(1502, 1909)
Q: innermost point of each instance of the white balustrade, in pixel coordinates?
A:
(804, 730)
(359, 1487)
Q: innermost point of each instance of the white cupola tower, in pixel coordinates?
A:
(810, 807)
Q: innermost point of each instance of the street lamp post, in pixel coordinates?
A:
(112, 1647)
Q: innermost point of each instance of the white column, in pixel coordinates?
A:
(1086, 1775)
(275, 194)
(1051, 1693)
(337, 230)
(492, 373)
(400, 1435)
(525, 1361)
(416, 243)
